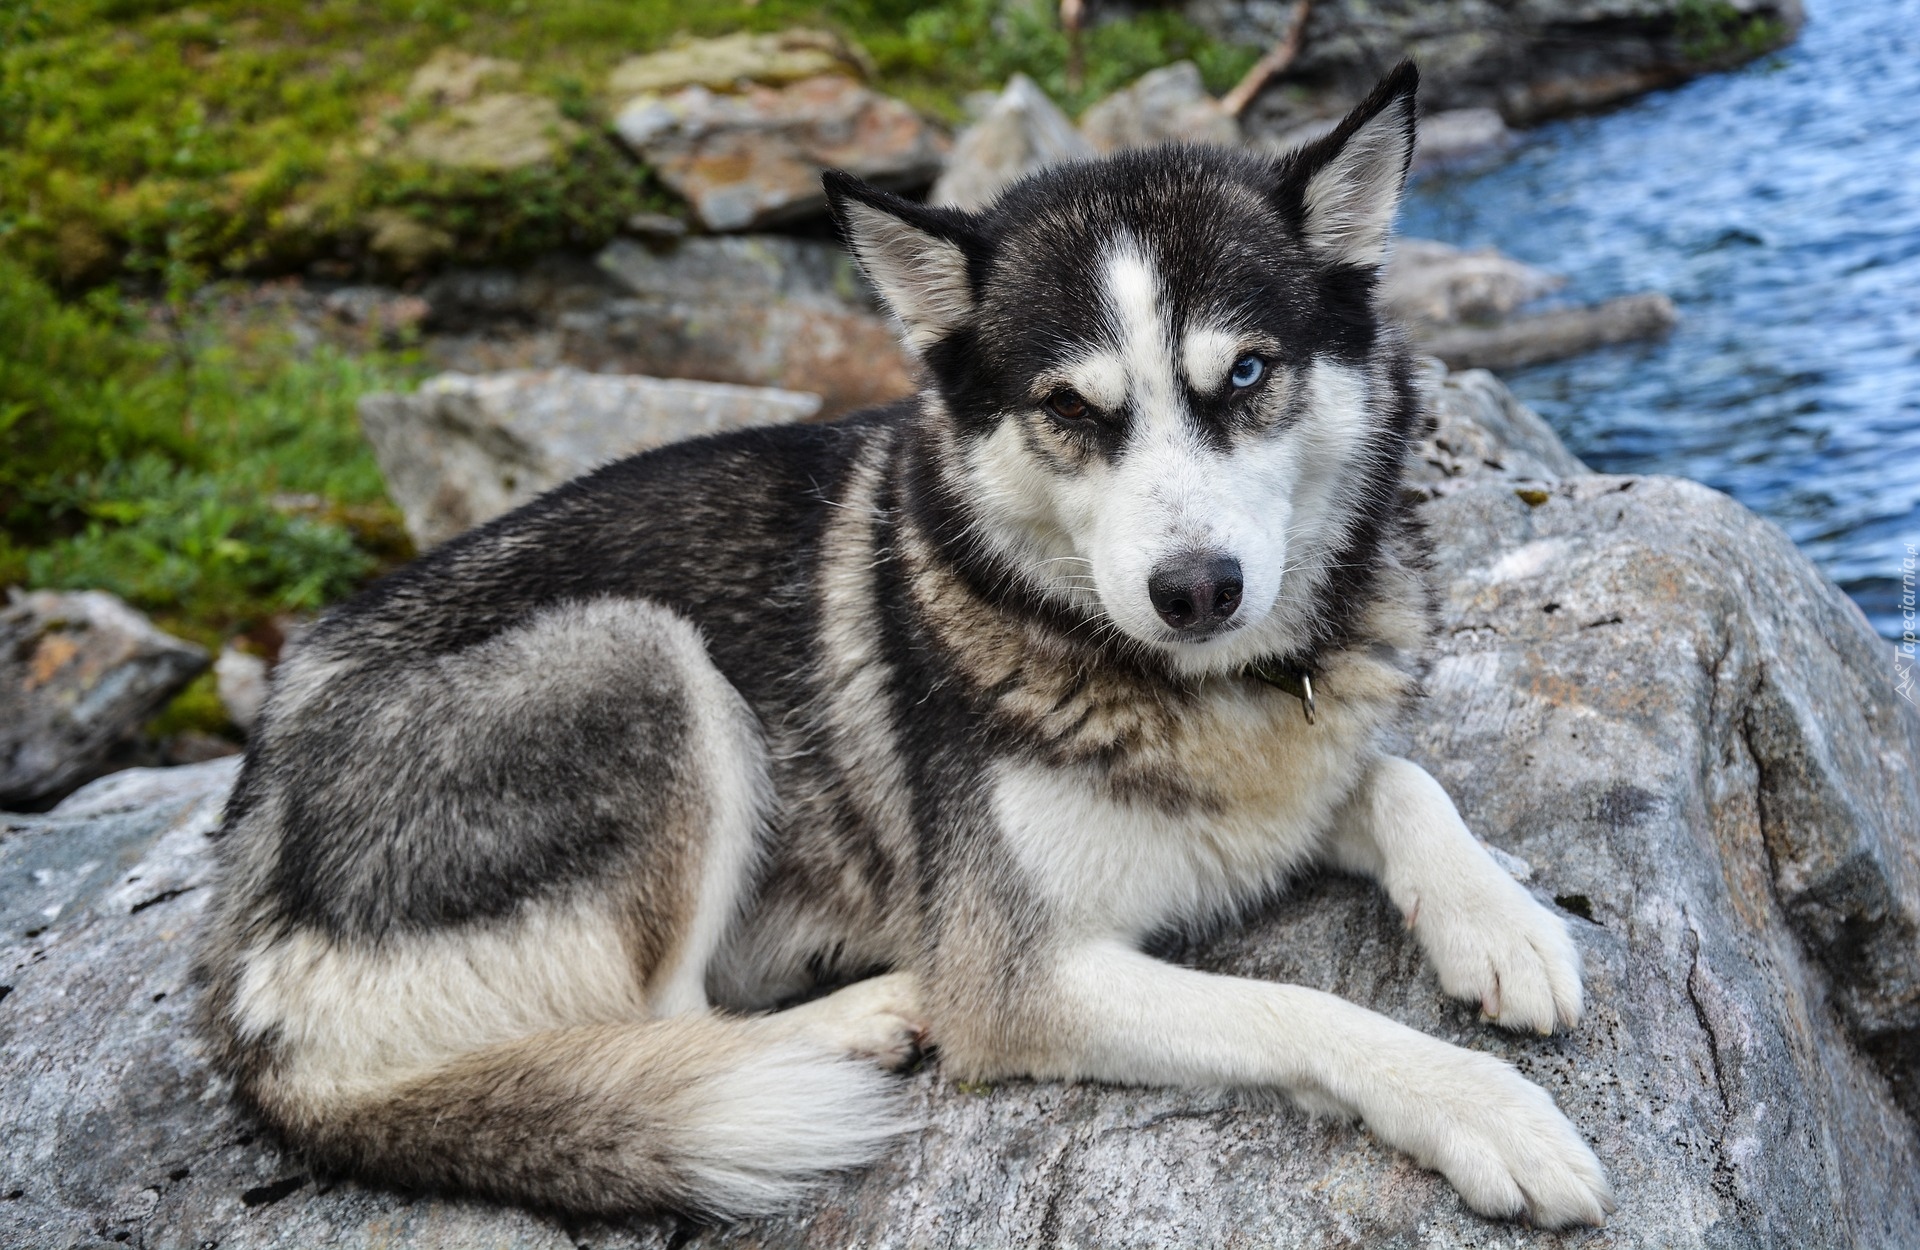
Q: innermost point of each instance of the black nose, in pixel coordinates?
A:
(1196, 594)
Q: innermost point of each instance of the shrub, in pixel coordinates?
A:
(209, 472)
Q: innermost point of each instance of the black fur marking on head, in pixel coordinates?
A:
(1231, 239)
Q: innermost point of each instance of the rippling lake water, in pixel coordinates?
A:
(1779, 206)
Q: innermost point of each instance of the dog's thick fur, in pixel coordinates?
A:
(531, 830)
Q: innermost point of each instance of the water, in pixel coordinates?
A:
(1780, 207)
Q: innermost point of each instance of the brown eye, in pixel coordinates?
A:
(1068, 406)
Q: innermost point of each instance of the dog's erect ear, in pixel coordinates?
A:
(1344, 189)
(917, 257)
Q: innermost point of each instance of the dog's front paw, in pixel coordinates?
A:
(878, 1019)
(1493, 944)
(1500, 1141)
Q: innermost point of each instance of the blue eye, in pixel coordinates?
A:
(1246, 371)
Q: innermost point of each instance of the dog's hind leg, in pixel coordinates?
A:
(1488, 938)
(466, 910)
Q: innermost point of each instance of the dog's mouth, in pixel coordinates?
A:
(1204, 635)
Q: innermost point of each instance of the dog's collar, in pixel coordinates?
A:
(1296, 679)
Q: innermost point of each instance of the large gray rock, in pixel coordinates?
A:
(1659, 712)
(750, 309)
(80, 673)
(1478, 426)
(462, 449)
(1528, 60)
(1550, 334)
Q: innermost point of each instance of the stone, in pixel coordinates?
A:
(242, 682)
(80, 673)
(1466, 307)
(751, 309)
(404, 242)
(1479, 427)
(756, 310)
(654, 226)
(451, 76)
(755, 158)
(495, 133)
(1657, 711)
(1432, 284)
(1020, 131)
(1528, 61)
(731, 60)
(462, 450)
(1167, 105)
(1452, 138)
(1553, 334)
(392, 314)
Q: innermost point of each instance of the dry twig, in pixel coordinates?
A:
(1268, 67)
(1073, 15)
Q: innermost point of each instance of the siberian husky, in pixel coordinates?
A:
(959, 701)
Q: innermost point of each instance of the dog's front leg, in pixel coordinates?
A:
(1110, 1013)
(1490, 941)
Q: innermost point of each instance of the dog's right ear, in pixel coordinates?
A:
(1342, 190)
(917, 257)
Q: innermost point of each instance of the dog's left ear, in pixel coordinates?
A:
(919, 258)
(1343, 189)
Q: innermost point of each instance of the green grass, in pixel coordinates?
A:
(206, 468)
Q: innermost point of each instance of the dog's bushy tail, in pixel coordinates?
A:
(702, 1113)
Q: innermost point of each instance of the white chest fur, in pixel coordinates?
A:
(1120, 866)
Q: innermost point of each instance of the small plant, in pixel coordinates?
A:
(1714, 31)
(207, 471)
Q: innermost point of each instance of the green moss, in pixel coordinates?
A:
(1714, 32)
(197, 709)
(240, 136)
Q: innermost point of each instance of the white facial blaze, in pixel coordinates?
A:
(1171, 495)
(1209, 353)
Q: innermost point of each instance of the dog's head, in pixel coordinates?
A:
(1159, 387)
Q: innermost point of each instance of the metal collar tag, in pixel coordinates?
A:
(1293, 679)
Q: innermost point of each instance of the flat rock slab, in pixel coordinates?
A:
(1551, 334)
(760, 310)
(464, 449)
(754, 158)
(79, 673)
(495, 133)
(731, 61)
(1671, 726)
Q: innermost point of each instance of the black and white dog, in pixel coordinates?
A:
(969, 697)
